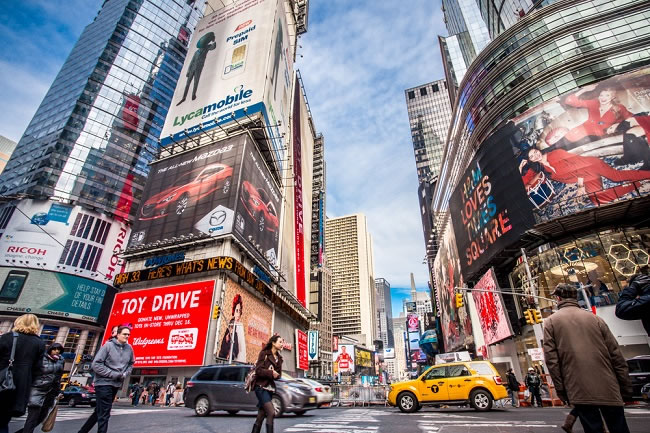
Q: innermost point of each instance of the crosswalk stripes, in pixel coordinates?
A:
(70, 414)
(350, 421)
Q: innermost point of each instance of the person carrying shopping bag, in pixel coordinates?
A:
(267, 368)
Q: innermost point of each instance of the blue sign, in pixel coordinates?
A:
(261, 274)
(163, 260)
(60, 213)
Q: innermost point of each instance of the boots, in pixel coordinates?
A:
(568, 423)
(257, 428)
(269, 428)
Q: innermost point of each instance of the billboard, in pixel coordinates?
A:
(312, 345)
(213, 190)
(298, 226)
(455, 322)
(389, 353)
(245, 326)
(54, 236)
(362, 358)
(491, 312)
(50, 294)
(169, 324)
(302, 359)
(414, 340)
(238, 64)
(344, 358)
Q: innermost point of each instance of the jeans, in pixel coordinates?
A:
(514, 397)
(535, 394)
(105, 396)
(590, 417)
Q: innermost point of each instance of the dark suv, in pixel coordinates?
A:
(221, 387)
(639, 367)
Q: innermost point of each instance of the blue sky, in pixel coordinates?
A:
(357, 59)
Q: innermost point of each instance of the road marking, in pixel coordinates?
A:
(70, 414)
(342, 424)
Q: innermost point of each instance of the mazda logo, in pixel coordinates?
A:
(217, 218)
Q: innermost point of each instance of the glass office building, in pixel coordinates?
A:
(98, 126)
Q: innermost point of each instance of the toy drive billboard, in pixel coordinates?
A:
(213, 190)
(238, 64)
(245, 326)
(57, 237)
(169, 324)
(491, 313)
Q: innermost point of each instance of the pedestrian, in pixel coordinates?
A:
(136, 390)
(45, 388)
(267, 368)
(513, 387)
(154, 393)
(634, 301)
(170, 392)
(586, 364)
(534, 384)
(161, 396)
(178, 395)
(145, 396)
(113, 362)
(28, 350)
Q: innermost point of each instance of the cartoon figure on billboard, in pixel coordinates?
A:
(344, 361)
(204, 45)
(233, 343)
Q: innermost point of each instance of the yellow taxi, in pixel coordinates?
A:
(476, 383)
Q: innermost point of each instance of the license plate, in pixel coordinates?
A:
(312, 399)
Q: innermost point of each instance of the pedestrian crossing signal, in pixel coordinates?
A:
(528, 314)
(459, 300)
(215, 312)
(537, 315)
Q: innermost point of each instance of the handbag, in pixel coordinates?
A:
(48, 424)
(7, 374)
(251, 377)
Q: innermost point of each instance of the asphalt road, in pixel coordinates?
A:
(335, 420)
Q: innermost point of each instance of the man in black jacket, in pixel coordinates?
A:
(513, 387)
(634, 301)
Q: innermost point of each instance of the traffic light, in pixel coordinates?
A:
(537, 315)
(215, 312)
(459, 300)
(528, 314)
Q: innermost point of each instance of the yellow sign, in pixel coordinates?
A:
(363, 358)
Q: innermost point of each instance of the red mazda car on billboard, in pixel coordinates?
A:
(259, 206)
(188, 190)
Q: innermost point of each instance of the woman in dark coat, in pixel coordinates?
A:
(45, 388)
(29, 351)
(267, 368)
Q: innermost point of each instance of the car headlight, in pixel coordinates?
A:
(168, 198)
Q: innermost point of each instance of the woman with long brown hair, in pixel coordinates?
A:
(267, 368)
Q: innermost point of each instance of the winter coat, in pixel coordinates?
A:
(112, 363)
(263, 371)
(29, 351)
(634, 301)
(533, 380)
(47, 384)
(513, 383)
(583, 357)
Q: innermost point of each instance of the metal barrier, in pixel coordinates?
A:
(360, 395)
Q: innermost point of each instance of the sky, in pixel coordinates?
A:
(356, 59)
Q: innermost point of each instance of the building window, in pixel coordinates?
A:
(88, 347)
(436, 88)
(48, 334)
(71, 340)
(411, 94)
(423, 91)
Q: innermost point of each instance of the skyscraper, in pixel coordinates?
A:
(350, 257)
(384, 313)
(6, 149)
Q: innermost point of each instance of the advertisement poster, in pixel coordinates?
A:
(50, 294)
(312, 344)
(212, 190)
(492, 315)
(455, 322)
(363, 358)
(169, 324)
(245, 326)
(389, 353)
(236, 66)
(299, 229)
(413, 322)
(414, 340)
(335, 343)
(63, 238)
(302, 359)
(344, 358)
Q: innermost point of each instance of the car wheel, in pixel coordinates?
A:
(225, 189)
(407, 402)
(261, 222)
(480, 400)
(202, 406)
(182, 203)
(277, 405)
(72, 402)
(232, 412)
(300, 412)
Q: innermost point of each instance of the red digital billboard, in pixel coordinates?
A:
(169, 324)
(301, 353)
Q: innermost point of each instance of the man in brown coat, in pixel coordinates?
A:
(586, 364)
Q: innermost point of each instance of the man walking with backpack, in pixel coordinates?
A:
(534, 383)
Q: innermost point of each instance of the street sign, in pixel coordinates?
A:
(312, 345)
(536, 354)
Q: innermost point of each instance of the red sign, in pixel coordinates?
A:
(297, 197)
(169, 324)
(301, 353)
(413, 322)
(335, 343)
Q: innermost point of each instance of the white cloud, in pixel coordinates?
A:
(357, 60)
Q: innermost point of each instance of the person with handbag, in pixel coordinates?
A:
(45, 388)
(267, 368)
(20, 354)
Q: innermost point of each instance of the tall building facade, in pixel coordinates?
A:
(350, 257)
(6, 149)
(401, 366)
(384, 313)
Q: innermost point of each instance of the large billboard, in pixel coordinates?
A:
(238, 64)
(213, 190)
(344, 358)
(53, 236)
(50, 294)
(245, 327)
(298, 225)
(169, 324)
(491, 312)
(456, 323)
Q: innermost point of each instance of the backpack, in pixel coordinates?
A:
(251, 377)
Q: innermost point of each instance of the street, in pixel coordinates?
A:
(377, 419)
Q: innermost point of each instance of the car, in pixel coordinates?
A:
(221, 387)
(323, 392)
(258, 205)
(645, 392)
(187, 191)
(76, 395)
(639, 368)
(476, 383)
